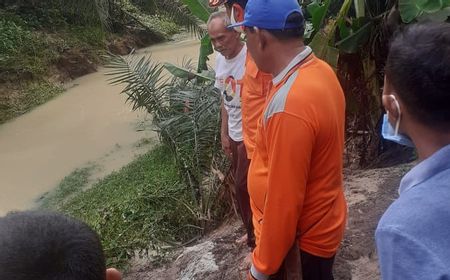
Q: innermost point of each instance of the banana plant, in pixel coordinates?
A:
(201, 9)
(354, 41)
(411, 10)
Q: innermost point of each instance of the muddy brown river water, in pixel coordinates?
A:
(90, 122)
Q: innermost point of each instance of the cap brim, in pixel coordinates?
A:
(237, 24)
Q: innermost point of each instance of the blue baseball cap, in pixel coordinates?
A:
(270, 14)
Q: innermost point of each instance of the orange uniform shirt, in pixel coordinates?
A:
(253, 96)
(295, 178)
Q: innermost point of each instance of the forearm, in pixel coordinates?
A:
(224, 124)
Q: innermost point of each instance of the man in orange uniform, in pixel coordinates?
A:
(255, 86)
(256, 83)
(295, 177)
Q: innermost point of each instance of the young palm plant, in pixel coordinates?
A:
(186, 113)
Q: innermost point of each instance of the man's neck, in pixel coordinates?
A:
(284, 56)
(427, 140)
(237, 51)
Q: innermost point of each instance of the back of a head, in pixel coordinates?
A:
(229, 3)
(241, 3)
(283, 19)
(49, 246)
(418, 67)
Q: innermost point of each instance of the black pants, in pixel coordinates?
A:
(313, 268)
(316, 268)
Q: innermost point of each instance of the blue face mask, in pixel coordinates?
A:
(390, 133)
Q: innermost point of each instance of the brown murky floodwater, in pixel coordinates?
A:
(90, 123)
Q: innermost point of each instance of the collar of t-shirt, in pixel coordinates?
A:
(297, 59)
(431, 166)
(241, 54)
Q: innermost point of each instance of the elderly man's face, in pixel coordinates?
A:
(225, 41)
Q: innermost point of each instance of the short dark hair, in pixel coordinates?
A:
(49, 246)
(242, 3)
(418, 67)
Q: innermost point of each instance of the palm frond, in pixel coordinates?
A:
(181, 15)
(186, 114)
(145, 83)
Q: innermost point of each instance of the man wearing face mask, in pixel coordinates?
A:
(413, 235)
(256, 83)
(254, 88)
(230, 62)
(295, 177)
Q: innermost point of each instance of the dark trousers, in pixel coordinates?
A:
(239, 166)
(312, 267)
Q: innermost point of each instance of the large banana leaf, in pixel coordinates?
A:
(318, 11)
(198, 8)
(322, 50)
(323, 43)
(412, 9)
(439, 16)
(360, 8)
(206, 49)
(184, 73)
(355, 40)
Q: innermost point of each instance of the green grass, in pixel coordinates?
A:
(139, 208)
(70, 186)
(26, 55)
(28, 97)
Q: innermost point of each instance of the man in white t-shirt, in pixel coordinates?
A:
(230, 69)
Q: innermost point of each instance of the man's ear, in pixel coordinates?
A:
(113, 274)
(390, 100)
(263, 38)
(238, 12)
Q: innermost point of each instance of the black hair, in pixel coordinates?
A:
(242, 3)
(49, 246)
(418, 67)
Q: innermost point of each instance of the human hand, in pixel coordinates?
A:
(226, 145)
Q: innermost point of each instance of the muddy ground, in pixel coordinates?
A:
(218, 256)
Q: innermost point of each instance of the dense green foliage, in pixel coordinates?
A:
(186, 112)
(353, 36)
(142, 208)
(36, 36)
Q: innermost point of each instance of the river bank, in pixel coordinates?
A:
(89, 123)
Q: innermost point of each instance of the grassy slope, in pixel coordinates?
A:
(33, 42)
(143, 206)
(27, 53)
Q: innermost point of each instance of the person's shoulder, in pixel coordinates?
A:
(417, 210)
(317, 69)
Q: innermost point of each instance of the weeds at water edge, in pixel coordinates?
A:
(141, 208)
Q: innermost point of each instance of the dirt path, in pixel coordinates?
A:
(90, 123)
(218, 257)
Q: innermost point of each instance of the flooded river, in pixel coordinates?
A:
(90, 123)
